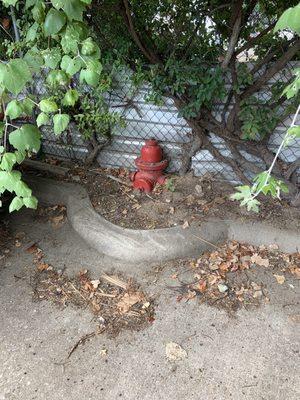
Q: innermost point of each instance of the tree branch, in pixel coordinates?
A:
(234, 35)
(277, 66)
(128, 20)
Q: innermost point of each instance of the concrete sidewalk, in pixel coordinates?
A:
(253, 356)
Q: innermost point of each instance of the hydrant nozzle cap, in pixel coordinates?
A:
(151, 142)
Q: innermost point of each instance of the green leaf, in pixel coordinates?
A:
(28, 137)
(32, 33)
(20, 156)
(294, 131)
(27, 106)
(60, 121)
(74, 9)
(34, 60)
(71, 66)
(2, 149)
(92, 78)
(48, 106)
(70, 98)
(252, 205)
(290, 19)
(30, 3)
(52, 57)
(57, 78)
(243, 192)
(54, 22)
(8, 3)
(9, 180)
(38, 12)
(13, 109)
(15, 75)
(8, 161)
(75, 33)
(30, 202)
(88, 47)
(42, 119)
(21, 189)
(16, 204)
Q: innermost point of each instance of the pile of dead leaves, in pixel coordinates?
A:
(115, 303)
(222, 277)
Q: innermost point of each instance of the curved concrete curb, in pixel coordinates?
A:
(135, 246)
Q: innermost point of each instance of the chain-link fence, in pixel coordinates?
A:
(144, 120)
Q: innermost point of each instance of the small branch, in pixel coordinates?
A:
(2, 27)
(252, 41)
(268, 57)
(82, 340)
(14, 21)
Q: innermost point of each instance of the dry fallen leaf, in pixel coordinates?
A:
(95, 283)
(222, 288)
(174, 352)
(128, 300)
(257, 294)
(295, 271)
(202, 284)
(280, 279)
(42, 266)
(191, 294)
(258, 260)
(185, 225)
(146, 305)
(32, 249)
(103, 352)
(57, 220)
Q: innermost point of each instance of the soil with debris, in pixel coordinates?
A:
(235, 275)
(116, 303)
(56, 214)
(5, 239)
(183, 201)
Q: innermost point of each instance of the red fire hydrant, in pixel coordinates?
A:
(150, 167)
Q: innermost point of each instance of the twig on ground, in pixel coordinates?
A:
(82, 340)
(206, 241)
(119, 180)
(115, 281)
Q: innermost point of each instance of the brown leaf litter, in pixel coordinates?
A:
(222, 277)
(116, 303)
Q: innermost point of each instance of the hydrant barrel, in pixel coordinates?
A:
(151, 152)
